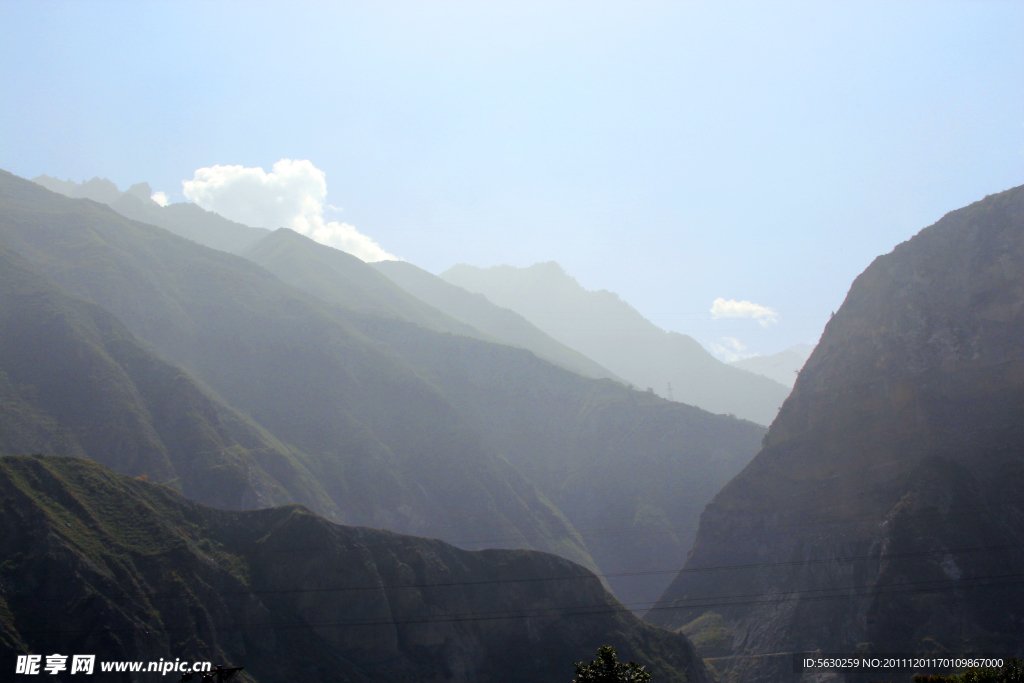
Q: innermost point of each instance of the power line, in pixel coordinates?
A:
(561, 612)
(589, 576)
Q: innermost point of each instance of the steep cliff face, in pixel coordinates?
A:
(96, 562)
(884, 513)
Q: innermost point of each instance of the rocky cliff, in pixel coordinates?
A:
(884, 513)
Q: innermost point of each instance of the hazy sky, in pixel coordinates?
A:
(674, 153)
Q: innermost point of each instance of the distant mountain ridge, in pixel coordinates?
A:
(611, 332)
(318, 270)
(782, 367)
(185, 218)
(100, 563)
(884, 513)
(476, 310)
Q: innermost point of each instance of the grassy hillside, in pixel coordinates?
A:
(96, 562)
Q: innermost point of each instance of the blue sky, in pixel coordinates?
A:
(674, 153)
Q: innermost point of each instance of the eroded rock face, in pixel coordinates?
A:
(884, 513)
(97, 562)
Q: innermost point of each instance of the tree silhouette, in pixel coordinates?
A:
(607, 669)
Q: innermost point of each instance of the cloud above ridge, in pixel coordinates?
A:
(292, 195)
(730, 308)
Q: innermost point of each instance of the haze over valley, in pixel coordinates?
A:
(452, 343)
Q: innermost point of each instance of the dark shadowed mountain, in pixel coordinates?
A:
(96, 562)
(477, 311)
(609, 331)
(783, 367)
(884, 513)
(403, 427)
(186, 219)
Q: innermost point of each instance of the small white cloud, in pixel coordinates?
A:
(730, 350)
(160, 198)
(722, 308)
(291, 196)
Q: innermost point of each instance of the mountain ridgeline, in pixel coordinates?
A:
(368, 418)
(476, 310)
(97, 562)
(783, 367)
(185, 219)
(884, 513)
(608, 330)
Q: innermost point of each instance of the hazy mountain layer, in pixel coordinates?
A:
(337, 277)
(782, 367)
(403, 427)
(885, 512)
(184, 218)
(476, 310)
(100, 190)
(96, 562)
(609, 331)
(631, 471)
(384, 445)
(75, 381)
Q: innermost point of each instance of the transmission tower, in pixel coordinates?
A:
(670, 392)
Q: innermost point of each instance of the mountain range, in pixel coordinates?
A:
(338, 401)
(251, 370)
(606, 329)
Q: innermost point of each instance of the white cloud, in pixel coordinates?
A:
(160, 198)
(730, 350)
(722, 308)
(291, 196)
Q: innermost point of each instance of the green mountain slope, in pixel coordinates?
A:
(96, 562)
(886, 504)
(609, 331)
(385, 446)
(75, 381)
(476, 310)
